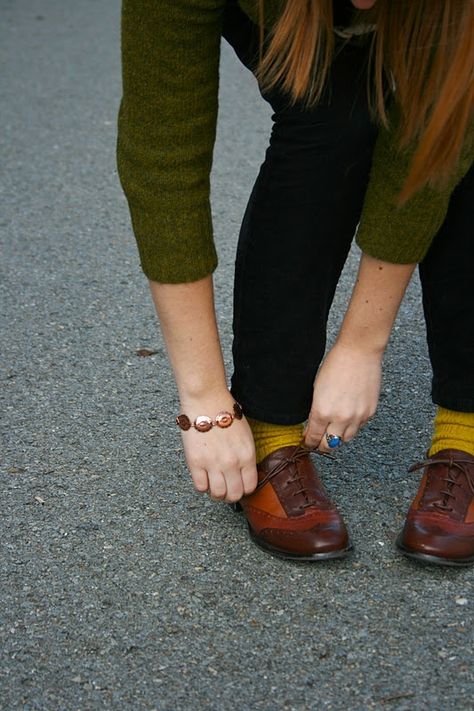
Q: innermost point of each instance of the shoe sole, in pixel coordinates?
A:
(313, 557)
(287, 555)
(433, 559)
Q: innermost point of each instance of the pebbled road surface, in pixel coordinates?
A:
(120, 587)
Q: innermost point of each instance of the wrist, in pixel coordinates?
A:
(202, 382)
(366, 346)
(214, 409)
(205, 422)
(199, 396)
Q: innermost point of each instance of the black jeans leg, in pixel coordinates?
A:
(448, 299)
(294, 240)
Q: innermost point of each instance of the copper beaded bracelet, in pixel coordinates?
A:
(203, 423)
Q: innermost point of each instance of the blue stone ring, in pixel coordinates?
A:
(333, 440)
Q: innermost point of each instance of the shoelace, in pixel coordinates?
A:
(453, 464)
(299, 452)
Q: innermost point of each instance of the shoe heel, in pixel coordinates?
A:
(235, 506)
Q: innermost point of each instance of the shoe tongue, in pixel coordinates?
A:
(454, 454)
(274, 458)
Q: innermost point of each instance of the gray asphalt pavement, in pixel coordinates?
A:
(120, 587)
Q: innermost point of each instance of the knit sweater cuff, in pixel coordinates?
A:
(176, 250)
(400, 235)
(403, 235)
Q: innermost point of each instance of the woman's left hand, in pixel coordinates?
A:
(346, 393)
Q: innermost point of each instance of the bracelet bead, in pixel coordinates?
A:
(203, 423)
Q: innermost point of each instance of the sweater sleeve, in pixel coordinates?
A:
(403, 235)
(166, 132)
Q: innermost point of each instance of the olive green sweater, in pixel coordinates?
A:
(166, 132)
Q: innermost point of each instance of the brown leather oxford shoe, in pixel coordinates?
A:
(439, 527)
(289, 514)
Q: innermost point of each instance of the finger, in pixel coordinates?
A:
(234, 485)
(200, 480)
(249, 478)
(351, 431)
(217, 486)
(333, 429)
(314, 431)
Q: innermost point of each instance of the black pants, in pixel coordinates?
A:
(295, 237)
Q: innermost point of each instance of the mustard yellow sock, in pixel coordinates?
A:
(270, 437)
(453, 430)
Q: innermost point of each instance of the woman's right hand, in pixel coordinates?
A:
(221, 461)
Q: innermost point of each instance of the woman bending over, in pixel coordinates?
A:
(373, 128)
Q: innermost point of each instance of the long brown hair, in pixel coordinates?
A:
(424, 47)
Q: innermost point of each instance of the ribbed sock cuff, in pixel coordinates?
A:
(453, 430)
(270, 437)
